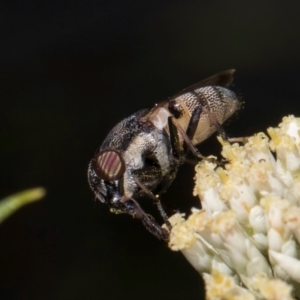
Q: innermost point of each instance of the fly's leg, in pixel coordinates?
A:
(192, 127)
(174, 138)
(133, 208)
(211, 116)
(193, 123)
(189, 145)
(187, 136)
(156, 201)
(242, 140)
(215, 122)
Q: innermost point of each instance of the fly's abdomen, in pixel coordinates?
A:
(219, 101)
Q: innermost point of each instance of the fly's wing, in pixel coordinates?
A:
(224, 79)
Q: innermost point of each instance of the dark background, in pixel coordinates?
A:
(69, 71)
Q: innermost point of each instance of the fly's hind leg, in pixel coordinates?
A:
(211, 116)
(188, 136)
(221, 130)
(175, 127)
(216, 123)
(174, 138)
(242, 140)
(193, 124)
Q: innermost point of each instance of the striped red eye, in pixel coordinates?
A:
(109, 165)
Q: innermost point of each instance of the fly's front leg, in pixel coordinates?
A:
(156, 201)
(133, 208)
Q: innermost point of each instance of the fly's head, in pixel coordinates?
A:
(106, 177)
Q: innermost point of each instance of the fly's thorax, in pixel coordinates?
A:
(148, 158)
(121, 135)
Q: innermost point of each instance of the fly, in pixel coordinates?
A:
(141, 154)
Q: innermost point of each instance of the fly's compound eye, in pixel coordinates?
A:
(109, 165)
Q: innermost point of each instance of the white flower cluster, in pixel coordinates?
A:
(245, 239)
